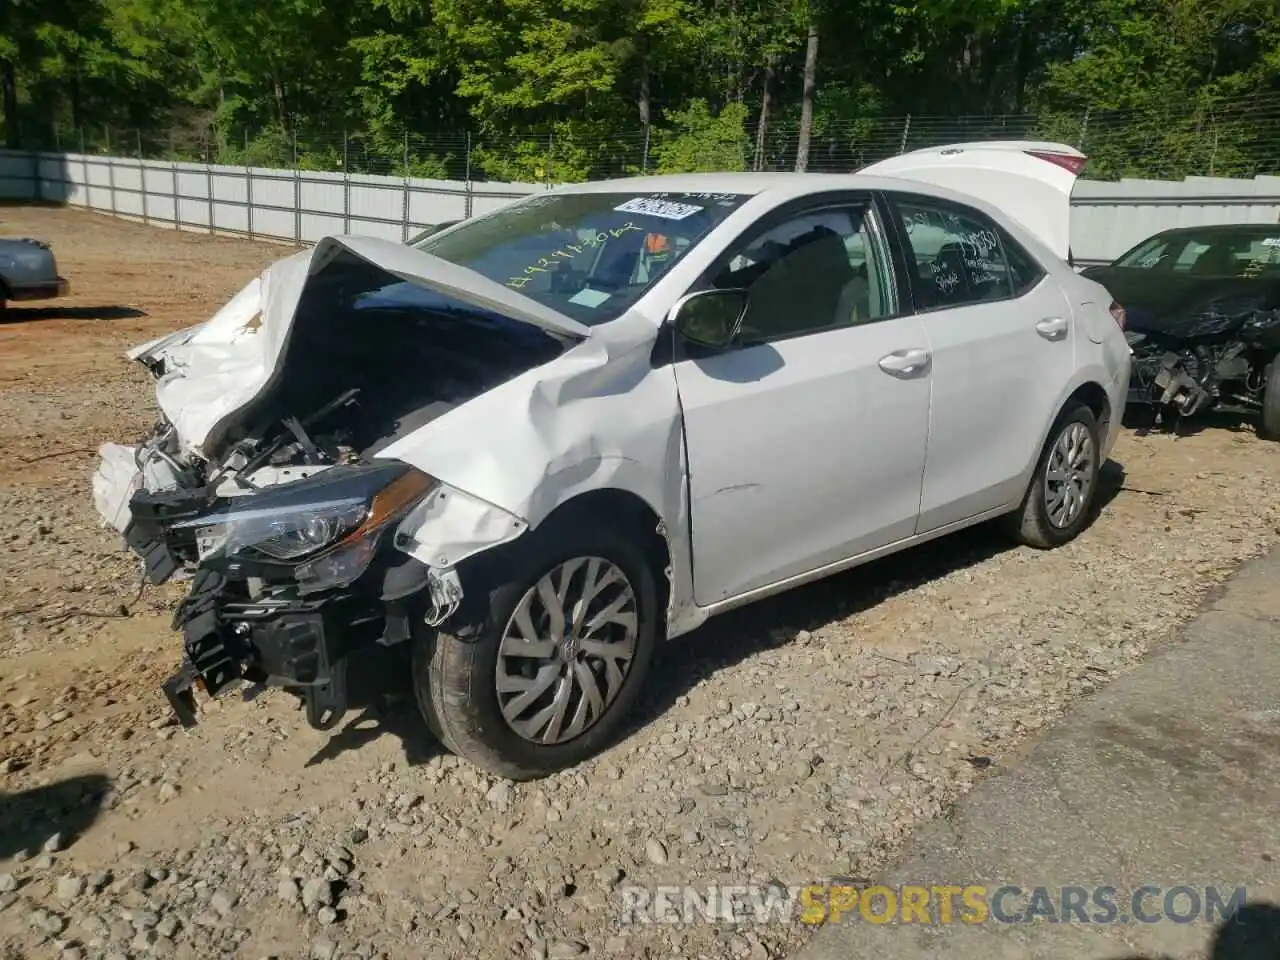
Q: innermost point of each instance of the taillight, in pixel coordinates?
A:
(1117, 314)
(1065, 160)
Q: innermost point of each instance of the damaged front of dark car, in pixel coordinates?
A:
(1202, 317)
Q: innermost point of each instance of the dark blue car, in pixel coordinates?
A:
(28, 271)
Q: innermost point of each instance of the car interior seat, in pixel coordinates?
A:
(1218, 261)
(802, 290)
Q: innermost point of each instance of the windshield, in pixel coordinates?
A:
(588, 255)
(1211, 253)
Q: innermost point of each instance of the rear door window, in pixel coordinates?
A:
(958, 256)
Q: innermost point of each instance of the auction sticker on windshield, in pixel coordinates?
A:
(666, 209)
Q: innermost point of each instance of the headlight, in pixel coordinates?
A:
(276, 535)
(326, 528)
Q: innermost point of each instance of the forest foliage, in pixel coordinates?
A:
(571, 89)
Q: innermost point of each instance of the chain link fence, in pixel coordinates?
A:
(1238, 139)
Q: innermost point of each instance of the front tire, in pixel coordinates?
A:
(1269, 421)
(558, 658)
(1059, 501)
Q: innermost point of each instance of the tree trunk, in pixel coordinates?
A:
(9, 83)
(77, 105)
(766, 97)
(280, 104)
(645, 102)
(1022, 64)
(806, 109)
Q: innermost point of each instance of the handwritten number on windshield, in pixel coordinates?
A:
(567, 252)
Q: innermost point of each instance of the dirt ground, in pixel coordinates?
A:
(793, 741)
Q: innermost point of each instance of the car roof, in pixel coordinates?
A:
(751, 184)
(1268, 229)
(1028, 196)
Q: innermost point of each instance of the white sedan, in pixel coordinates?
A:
(526, 450)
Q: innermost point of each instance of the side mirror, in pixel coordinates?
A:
(710, 318)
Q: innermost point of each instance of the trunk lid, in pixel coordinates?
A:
(208, 372)
(1030, 180)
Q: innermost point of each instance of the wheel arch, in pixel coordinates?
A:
(1094, 396)
(616, 506)
(1085, 389)
(633, 514)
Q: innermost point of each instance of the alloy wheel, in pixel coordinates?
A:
(566, 650)
(1069, 475)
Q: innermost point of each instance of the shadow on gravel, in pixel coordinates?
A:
(17, 202)
(66, 808)
(1142, 421)
(1251, 933)
(12, 314)
(739, 634)
(381, 703)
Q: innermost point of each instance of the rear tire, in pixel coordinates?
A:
(565, 692)
(1269, 421)
(1059, 500)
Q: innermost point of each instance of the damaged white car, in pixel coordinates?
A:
(542, 440)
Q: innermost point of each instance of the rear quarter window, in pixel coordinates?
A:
(1024, 270)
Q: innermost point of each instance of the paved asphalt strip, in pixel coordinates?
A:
(1168, 778)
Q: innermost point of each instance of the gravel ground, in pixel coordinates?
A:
(796, 740)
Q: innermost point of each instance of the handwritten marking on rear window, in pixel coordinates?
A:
(653, 207)
(567, 252)
(945, 279)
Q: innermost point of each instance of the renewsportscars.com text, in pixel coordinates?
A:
(919, 904)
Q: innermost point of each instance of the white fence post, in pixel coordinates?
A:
(297, 193)
(177, 194)
(466, 183)
(248, 195)
(84, 166)
(208, 179)
(346, 186)
(111, 181)
(142, 181)
(404, 207)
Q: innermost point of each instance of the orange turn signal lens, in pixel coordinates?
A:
(393, 500)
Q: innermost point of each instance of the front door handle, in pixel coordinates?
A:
(905, 364)
(1054, 328)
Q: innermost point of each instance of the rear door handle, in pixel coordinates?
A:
(905, 364)
(1054, 328)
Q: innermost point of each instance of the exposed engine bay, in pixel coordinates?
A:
(285, 525)
(1217, 360)
(351, 386)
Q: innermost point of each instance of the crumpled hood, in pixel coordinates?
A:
(1185, 307)
(209, 371)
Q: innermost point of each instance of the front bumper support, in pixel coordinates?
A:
(182, 699)
(290, 643)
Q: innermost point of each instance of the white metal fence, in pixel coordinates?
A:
(303, 206)
(1107, 218)
(290, 205)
